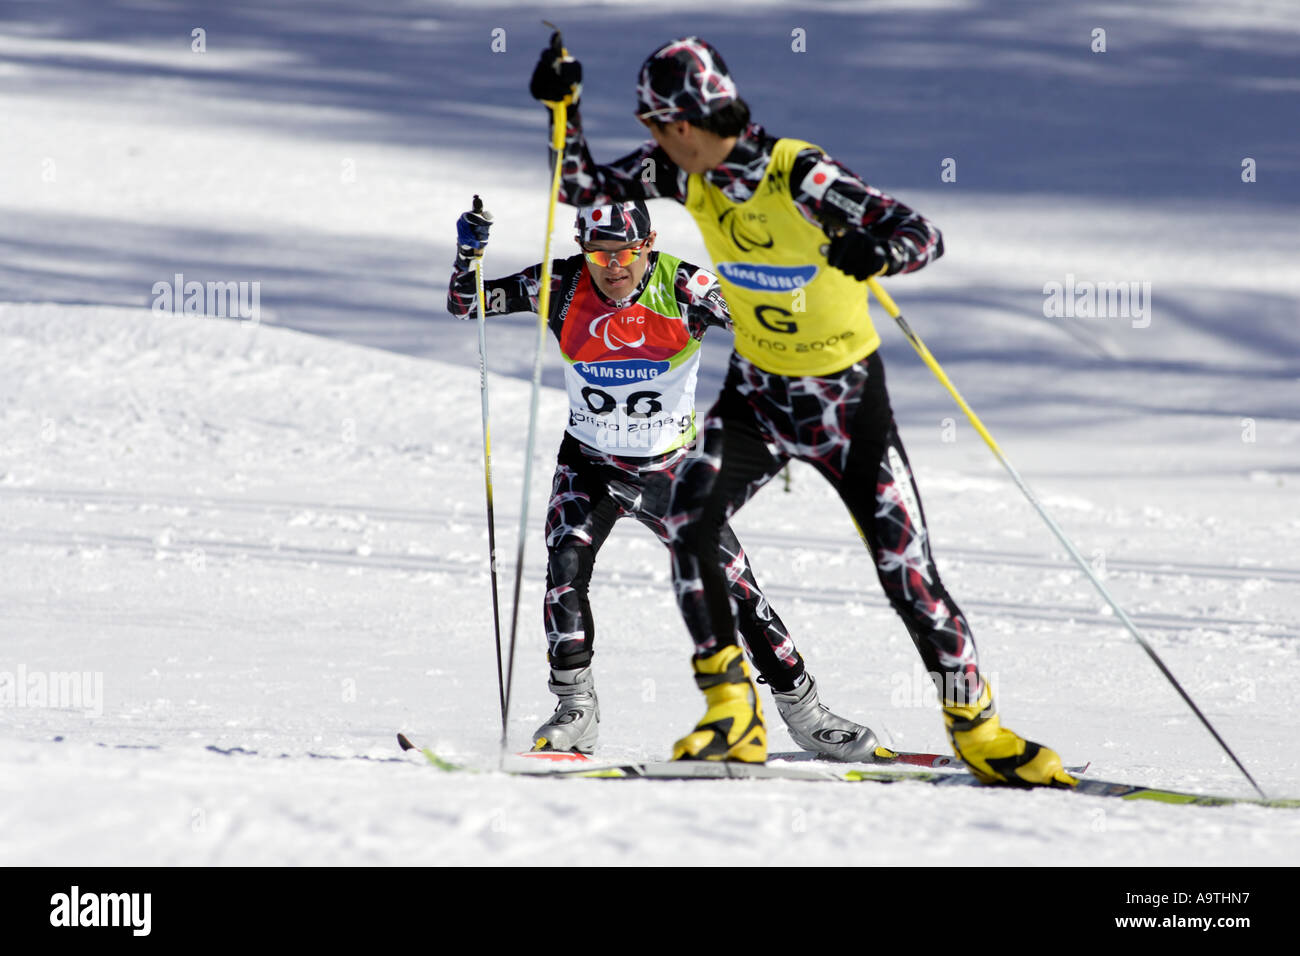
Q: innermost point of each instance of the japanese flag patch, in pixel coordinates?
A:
(702, 283)
(819, 178)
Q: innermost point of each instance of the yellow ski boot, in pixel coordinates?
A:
(997, 755)
(732, 728)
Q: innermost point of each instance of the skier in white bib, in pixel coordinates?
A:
(629, 321)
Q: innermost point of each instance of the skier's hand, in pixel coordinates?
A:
(857, 254)
(558, 77)
(472, 230)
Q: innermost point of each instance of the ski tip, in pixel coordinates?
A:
(438, 762)
(405, 743)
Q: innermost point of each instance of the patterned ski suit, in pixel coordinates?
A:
(630, 369)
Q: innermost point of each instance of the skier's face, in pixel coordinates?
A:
(614, 280)
(683, 144)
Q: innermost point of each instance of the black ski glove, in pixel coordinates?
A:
(857, 254)
(557, 77)
(472, 230)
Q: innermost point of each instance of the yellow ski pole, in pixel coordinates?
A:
(1120, 613)
(559, 123)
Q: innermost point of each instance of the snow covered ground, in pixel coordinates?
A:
(260, 546)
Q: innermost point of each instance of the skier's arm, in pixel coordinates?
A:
(700, 299)
(513, 293)
(834, 198)
(645, 173)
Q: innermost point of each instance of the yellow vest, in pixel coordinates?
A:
(793, 314)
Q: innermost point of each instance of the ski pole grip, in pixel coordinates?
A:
(559, 119)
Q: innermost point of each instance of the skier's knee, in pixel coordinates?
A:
(701, 537)
(569, 566)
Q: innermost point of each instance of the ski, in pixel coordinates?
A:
(687, 770)
(883, 755)
(711, 770)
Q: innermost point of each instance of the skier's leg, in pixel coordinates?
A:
(812, 725)
(578, 519)
(570, 556)
(881, 494)
(733, 462)
(764, 633)
(761, 629)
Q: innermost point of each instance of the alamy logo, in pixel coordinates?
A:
(922, 688)
(63, 690)
(102, 909)
(222, 300)
(1102, 300)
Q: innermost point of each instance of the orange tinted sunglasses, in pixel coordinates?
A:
(624, 257)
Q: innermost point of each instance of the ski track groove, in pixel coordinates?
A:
(435, 516)
(297, 555)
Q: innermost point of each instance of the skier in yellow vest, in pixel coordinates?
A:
(794, 235)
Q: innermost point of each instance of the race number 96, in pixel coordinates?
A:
(638, 405)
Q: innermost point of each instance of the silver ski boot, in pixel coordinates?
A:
(574, 724)
(815, 728)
